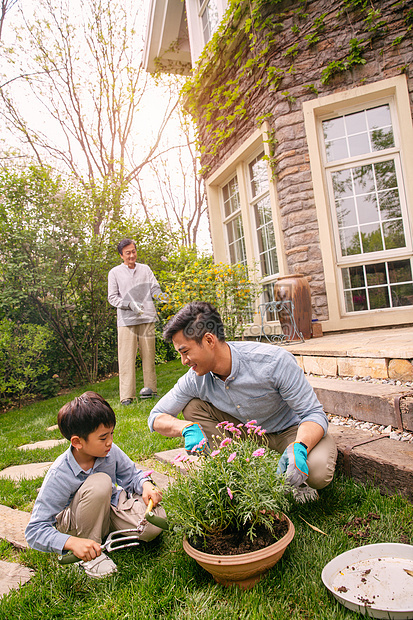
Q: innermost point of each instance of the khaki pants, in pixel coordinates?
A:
(129, 339)
(321, 460)
(91, 515)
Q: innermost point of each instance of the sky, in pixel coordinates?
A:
(148, 119)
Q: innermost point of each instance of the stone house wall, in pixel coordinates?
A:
(387, 50)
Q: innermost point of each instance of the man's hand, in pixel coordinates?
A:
(195, 440)
(150, 491)
(83, 548)
(136, 308)
(293, 463)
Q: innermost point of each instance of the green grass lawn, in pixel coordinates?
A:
(158, 580)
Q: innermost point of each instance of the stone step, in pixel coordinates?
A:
(375, 459)
(370, 402)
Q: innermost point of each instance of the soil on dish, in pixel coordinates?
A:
(233, 542)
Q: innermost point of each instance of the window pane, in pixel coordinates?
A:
(394, 234)
(209, 19)
(385, 173)
(236, 241)
(359, 144)
(355, 300)
(258, 176)
(376, 274)
(379, 298)
(389, 204)
(231, 197)
(337, 149)
(379, 117)
(371, 238)
(363, 179)
(400, 271)
(356, 123)
(350, 241)
(334, 128)
(342, 183)
(346, 212)
(367, 208)
(402, 295)
(382, 139)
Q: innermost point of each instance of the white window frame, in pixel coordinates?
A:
(238, 164)
(395, 92)
(228, 219)
(195, 30)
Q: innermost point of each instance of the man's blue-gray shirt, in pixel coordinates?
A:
(63, 479)
(266, 384)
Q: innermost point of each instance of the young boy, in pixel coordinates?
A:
(79, 502)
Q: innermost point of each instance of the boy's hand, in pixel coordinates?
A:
(151, 492)
(83, 548)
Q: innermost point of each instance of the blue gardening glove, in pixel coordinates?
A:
(195, 440)
(293, 463)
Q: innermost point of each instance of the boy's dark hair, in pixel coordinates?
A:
(195, 319)
(122, 244)
(84, 414)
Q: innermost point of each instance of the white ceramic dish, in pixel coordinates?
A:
(374, 580)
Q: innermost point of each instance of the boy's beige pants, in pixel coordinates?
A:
(321, 460)
(130, 338)
(91, 515)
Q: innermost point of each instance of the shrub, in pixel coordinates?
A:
(226, 286)
(23, 350)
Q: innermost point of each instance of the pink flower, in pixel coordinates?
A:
(222, 424)
(259, 452)
(148, 473)
(215, 452)
(225, 442)
(258, 429)
(240, 425)
(231, 457)
(180, 457)
(251, 423)
(229, 493)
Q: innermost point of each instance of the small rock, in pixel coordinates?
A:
(387, 429)
(395, 436)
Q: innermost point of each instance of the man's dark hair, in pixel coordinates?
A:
(122, 244)
(84, 414)
(195, 319)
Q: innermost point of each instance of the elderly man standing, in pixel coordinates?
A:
(131, 289)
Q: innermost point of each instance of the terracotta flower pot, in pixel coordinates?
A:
(244, 569)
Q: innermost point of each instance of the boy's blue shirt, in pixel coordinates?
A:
(63, 479)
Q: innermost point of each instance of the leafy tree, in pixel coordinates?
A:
(81, 64)
(54, 267)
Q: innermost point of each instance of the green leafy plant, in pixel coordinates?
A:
(235, 487)
(226, 286)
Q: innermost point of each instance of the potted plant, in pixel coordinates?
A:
(230, 506)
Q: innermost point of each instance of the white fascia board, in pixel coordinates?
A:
(163, 27)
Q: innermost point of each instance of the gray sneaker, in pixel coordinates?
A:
(304, 493)
(101, 566)
(146, 393)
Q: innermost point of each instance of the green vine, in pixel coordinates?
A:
(251, 37)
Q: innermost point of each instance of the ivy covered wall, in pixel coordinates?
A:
(267, 58)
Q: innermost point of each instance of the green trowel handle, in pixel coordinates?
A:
(154, 519)
(68, 558)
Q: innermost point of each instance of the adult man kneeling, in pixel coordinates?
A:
(239, 382)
